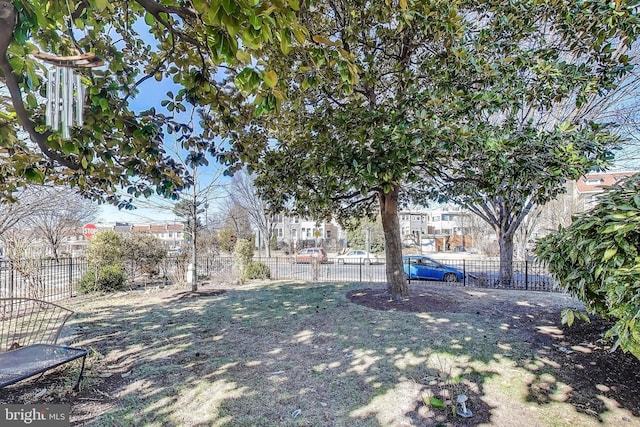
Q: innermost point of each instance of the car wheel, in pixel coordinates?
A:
(367, 261)
(450, 277)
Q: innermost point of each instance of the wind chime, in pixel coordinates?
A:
(65, 92)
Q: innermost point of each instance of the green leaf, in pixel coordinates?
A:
(567, 317)
(101, 4)
(34, 175)
(149, 19)
(270, 78)
(323, 40)
(435, 402)
(609, 253)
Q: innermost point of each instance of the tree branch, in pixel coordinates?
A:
(7, 25)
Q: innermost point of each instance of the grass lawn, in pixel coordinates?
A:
(289, 354)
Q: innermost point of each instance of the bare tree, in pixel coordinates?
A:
(25, 254)
(61, 211)
(27, 201)
(234, 217)
(243, 194)
(49, 211)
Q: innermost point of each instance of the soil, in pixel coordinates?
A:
(580, 355)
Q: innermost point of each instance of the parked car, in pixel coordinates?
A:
(424, 268)
(357, 256)
(309, 254)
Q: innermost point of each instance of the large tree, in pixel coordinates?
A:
(242, 192)
(439, 86)
(189, 45)
(62, 210)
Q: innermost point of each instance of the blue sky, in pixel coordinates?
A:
(158, 209)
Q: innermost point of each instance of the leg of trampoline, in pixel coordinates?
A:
(77, 386)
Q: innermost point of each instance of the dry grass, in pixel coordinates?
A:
(290, 354)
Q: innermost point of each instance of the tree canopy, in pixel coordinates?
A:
(375, 100)
(190, 45)
(456, 90)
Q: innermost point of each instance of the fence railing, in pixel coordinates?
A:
(47, 279)
(527, 275)
(57, 279)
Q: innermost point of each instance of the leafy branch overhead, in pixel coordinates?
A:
(199, 48)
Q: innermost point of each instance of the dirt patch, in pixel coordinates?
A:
(194, 294)
(579, 355)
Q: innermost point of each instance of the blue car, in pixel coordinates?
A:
(422, 267)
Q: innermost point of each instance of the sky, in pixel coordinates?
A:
(142, 215)
(157, 209)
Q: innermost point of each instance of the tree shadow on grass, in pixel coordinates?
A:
(567, 364)
(294, 354)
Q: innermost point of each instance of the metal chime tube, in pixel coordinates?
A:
(50, 77)
(68, 107)
(56, 100)
(64, 102)
(79, 101)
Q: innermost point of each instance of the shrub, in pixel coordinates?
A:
(596, 259)
(143, 252)
(105, 248)
(242, 256)
(111, 278)
(256, 270)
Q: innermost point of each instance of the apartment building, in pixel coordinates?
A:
(171, 235)
(587, 189)
(295, 232)
(442, 228)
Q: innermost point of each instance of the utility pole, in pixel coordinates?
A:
(368, 240)
(194, 237)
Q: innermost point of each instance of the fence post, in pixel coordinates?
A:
(526, 274)
(70, 271)
(11, 279)
(464, 272)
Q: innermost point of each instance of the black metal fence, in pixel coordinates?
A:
(56, 279)
(527, 275)
(48, 279)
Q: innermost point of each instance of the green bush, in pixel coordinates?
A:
(242, 256)
(597, 260)
(110, 278)
(256, 270)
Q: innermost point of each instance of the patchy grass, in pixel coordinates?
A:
(289, 354)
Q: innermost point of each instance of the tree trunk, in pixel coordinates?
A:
(267, 244)
(396, 280)
(194, 262)
(505, 241)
